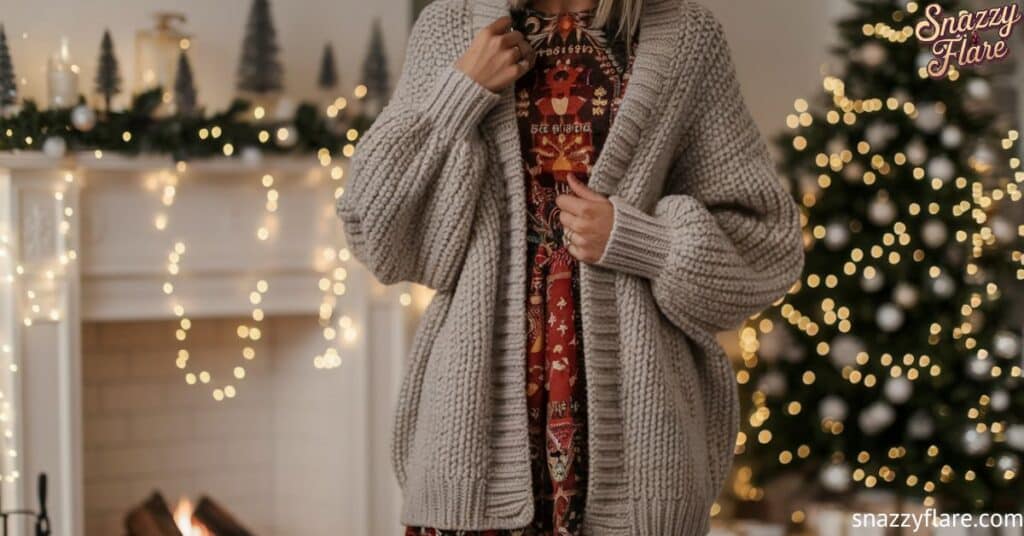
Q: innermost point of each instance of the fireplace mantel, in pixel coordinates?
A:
(87, 238)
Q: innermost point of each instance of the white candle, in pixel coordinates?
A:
(62, 78)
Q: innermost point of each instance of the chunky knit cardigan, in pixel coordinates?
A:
(704, 236)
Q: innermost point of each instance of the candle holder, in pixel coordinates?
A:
(41, 519)
(62, 78)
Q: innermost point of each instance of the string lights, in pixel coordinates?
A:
(887, 346)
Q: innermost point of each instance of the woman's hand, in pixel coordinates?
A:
(587, 218)
(497, 57)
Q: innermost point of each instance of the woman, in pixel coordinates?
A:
(585, 189)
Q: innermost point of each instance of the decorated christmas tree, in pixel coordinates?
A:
(894, 363)
(328, 77)
(375, 70)
(260, 70)
(8, 82)
(108, 76)
(184, 87)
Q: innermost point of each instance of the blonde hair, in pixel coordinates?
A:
(624, 14)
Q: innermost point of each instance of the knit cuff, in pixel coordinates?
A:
(457, 103)
(639, 243)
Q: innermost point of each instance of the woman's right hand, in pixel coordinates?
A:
(497, 57)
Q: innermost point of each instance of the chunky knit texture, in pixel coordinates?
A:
(704, 236)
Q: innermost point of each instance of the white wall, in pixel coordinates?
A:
(303, 26)
(779, 45)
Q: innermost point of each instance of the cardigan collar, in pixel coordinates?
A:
(661, 26)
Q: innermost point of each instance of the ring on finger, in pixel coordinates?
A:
(567, 237)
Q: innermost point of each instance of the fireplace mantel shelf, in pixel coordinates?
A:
(86, 160)
(215, 208)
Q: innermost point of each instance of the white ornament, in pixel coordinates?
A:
(55, 147)
(921, 425)
(905, 295)
(832, 408)
(853, 172)
(1006, 344)
(889, 317)
(979, 88)
(917, 152)
(873, 54)
(1015, 436)
(878, 134)
(286, 137)
(975, 443)
(943, 286)
(844, 350)
(1004, 230)
(252, 155)
(923, 58)
(941, 167)
(934, 233)
(983, 159)
(83, 118)
(929, 117)
(1000, 400)
(772, 384)
(285, 109)
(875, 418)
(882, 211)
(898, 390)
(1007, 465)
(771, 345)
(952, 137)
(978, 368)
(837, 236)
(874, 283)
(836, 477)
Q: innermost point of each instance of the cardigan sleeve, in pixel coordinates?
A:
(416, 175)
(725, 240)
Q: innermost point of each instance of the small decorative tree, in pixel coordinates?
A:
(375, 70)
(108, 76)
(259, 70)
(184, 87)
(328, 78)
(8, 82)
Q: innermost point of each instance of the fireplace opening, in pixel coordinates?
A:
(276, 456)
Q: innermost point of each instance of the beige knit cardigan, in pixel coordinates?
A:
(704, 236)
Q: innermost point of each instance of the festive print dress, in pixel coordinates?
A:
(565, 106)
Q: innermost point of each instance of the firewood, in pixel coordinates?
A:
(217, 520)
(151, 518)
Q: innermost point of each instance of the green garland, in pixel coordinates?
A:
(180, 135)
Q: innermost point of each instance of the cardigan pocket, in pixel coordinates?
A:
(407, 408)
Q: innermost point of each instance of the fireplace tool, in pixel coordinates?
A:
(42, 518)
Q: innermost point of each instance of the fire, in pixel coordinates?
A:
(183, 519)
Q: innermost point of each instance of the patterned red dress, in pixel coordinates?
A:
(565, 106)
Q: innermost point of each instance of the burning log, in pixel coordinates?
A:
(151, 518)
(217, 520)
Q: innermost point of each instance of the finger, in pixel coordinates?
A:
(500, 25)
(570, 221)
(512, 39)
(583, 190)
(571, 204)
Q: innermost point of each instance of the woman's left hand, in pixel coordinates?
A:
(587, 218)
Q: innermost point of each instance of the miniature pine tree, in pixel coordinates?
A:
(375, 68)
(328, 78)
(184, 87)
(108, 77)
(260, 70)
(8, 84)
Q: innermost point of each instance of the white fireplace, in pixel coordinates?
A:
(280, 407)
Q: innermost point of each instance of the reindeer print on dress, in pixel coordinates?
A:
(564, 107)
